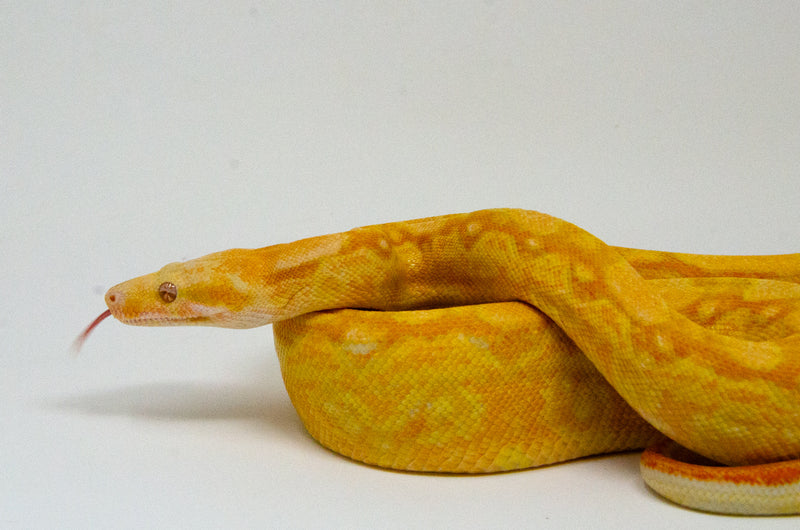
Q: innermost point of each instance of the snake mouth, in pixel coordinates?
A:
(162, 320)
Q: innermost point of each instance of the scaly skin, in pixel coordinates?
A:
(713, 364)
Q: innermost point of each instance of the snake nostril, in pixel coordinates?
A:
(113, 298)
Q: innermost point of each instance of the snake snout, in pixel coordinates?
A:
(113, 297)
(115, 300)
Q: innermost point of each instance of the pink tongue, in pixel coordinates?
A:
(78, 344)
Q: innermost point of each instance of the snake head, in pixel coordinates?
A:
(215, 290)
(206, 291)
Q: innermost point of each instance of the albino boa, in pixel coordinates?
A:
(486, 373)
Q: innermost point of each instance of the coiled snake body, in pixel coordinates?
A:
(506, 339)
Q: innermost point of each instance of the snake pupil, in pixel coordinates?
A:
(168, 291)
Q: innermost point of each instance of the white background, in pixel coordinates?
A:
(135, 136)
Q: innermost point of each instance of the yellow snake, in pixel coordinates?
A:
(506, 339)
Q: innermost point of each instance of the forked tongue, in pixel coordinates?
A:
(78, 344)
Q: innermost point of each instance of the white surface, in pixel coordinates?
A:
(134, 136)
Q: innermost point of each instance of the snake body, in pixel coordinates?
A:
(506, 339)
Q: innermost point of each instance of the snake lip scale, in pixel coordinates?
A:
(507, 339)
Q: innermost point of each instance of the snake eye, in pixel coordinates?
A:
(168, 291)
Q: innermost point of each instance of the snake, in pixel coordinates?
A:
(506, 339)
